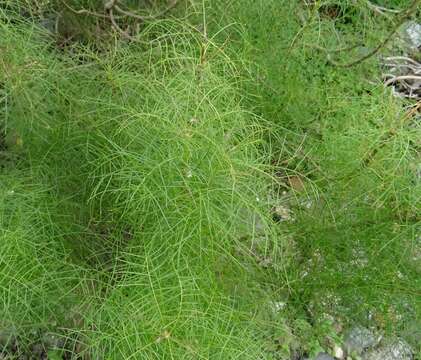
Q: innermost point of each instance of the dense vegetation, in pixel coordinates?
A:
(207, 183)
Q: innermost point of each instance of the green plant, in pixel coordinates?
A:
(162, 197)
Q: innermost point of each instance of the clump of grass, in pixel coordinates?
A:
(353, 143)
(156, 149)
(164, 158)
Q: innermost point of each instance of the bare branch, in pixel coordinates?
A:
(83, 11)
(403, 77)
(116, 26)
(145, 17)
(111, 6)
(402, 58)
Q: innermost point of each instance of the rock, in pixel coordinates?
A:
(278, 306)
(412, 34)
(396, 350)
(358, 340)
(323, 356)
(338, 352)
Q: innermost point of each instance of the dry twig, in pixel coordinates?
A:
(112, 6)
(404, 76)
(83, 11)
(145, 17)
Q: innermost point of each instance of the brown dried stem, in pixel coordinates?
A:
(145, 17)
(112, 6)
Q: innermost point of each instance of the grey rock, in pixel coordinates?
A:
(412, 32)
(359, 339)
(323, 356)
(396, 350)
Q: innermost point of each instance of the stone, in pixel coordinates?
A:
(323, 356)
(338, 352)
(395, 350)
(359, 339)
(412, 32)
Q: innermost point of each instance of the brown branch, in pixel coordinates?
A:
(403, 77)
(403, 58)
(117, 27)
(112, 5)
(125, 34)
(145, 17)
(83, 11)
